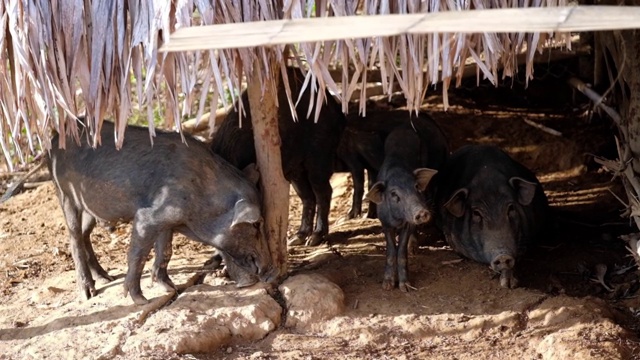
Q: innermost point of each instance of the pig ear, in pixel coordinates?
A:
(423, 176)
(375, 194)
(525, 189)
(251, 173)
(243, 212)
(455, 205)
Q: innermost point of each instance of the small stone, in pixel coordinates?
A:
(229, 350)
(19, 324)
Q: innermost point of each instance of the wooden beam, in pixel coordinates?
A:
(280, 32)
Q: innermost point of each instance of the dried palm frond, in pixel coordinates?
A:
(633, 245)
(64, 58)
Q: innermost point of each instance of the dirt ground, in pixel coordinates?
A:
(458, 310)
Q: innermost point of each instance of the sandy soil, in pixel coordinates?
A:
(458, 310)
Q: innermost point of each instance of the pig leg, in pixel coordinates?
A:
(407, 232)
(142, 240)
(304, 191)
(163, 250)
(391, 266)
(357, 175)
(88, 223)
(322, 191)
(84, 280)
(372, 212)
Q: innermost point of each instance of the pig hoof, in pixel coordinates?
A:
(296, 241)
(388, 284)
(507, 280)
(405, 287)
(354, 214)
(105, 277)
(87, 290)
(87, 293)
(161, 277)
(101, 274)
(314, 240)
(136, 294)
(509, 283)
(167, 285)
(139, 299)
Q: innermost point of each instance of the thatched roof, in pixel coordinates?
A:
(63, 58)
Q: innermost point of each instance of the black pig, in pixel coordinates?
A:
(398, 193)
(162, 189)
(362, 148)
(491, 208)
(308, 149)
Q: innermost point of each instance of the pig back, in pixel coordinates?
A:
(435, 139)
(384, 122)
(306, 142)
(233, 140)
(114, 183)
(417, 143)
(300, 139)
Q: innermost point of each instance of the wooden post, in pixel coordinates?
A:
(630, 109)
(264, 117)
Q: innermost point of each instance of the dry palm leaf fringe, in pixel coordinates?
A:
(64, 58)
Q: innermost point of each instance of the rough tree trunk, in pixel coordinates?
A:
(629, 42)
(630, 109)
(264, 117)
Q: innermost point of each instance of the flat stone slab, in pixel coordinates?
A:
(205, 317)
(311, 298)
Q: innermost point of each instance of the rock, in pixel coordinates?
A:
(575, 328)
(574, 344)
(205, 318)
(311, 298)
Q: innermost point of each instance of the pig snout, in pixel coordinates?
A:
(249, 274)
(268, 275)
(421, 216)
(502, 262)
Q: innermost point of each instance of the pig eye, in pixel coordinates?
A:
(511, 211)
(476, 216)
(395, 197)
